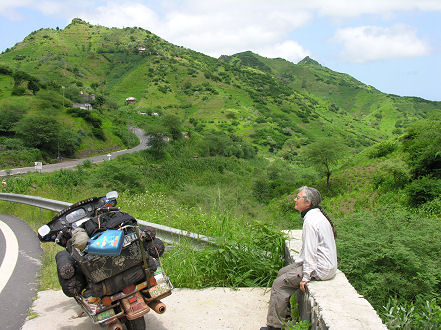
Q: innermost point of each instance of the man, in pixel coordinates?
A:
(317, 258)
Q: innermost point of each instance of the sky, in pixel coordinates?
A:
(392, 45)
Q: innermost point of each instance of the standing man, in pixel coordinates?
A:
(317, 259)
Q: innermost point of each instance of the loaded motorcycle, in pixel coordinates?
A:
(110, 266)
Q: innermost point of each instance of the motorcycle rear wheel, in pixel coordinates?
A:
(136, 324)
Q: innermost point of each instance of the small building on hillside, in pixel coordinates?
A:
(85, 106)
(88, 97)
(130, 100)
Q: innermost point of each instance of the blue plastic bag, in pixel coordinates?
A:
(106, 243)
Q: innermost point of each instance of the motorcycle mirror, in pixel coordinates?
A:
(112, 195)
(44, 230)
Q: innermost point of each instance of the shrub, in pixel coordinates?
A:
(423, 190)
(391, 175)
(383, 149)
(241, 259)
(422, 142)
(18, 91)
(5, 70)
(425, 315)
(391, 252)
(39, 131)
(10, 114)
(117, 175)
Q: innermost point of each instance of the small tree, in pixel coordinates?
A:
(325, 154)
(173, 125)
(39, 131)
(157, 144)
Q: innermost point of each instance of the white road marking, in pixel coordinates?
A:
(11, 255)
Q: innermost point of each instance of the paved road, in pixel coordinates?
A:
(20, 255)
(72, 163)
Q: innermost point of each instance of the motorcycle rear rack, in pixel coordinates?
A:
(95, 316)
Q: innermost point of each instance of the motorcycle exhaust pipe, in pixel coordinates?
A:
(115, 326)
(158, 306)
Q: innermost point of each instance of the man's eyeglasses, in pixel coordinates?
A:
(298, 197)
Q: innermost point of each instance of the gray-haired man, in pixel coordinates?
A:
(317, 258)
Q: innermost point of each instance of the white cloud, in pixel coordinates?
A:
(289, 50)
(226, 27)
(229, 26)
(370, 43)
(351, 8)
(119, 15)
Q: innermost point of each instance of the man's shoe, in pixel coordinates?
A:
(269, 328)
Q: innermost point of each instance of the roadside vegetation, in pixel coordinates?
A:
(389, 240)
(231, 139)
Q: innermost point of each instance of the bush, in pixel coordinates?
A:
(18, 91)
(423, 190)
(248, 255)
(425, 315)
(117, 175)
(39, 131)
(10, 114)
(391, 253)
(422, 142)
(5, 70)
(383, 149)
(393, 174)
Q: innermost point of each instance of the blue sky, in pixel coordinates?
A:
(393, 45)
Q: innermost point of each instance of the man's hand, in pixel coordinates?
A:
(303, 286)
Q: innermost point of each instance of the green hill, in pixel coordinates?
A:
(275, 105)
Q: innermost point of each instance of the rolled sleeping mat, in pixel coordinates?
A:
(65, 265)
(74, 285)
(155, 248)
(118, 282)
(150, 233)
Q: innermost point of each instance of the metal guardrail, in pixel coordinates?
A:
(167, 234)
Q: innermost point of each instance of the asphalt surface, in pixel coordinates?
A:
(20, 284)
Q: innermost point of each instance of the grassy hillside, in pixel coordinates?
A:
(277, 106)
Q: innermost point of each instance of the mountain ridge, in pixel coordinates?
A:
(277, 105)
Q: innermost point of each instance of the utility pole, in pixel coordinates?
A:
(62, 87)
(58, 137)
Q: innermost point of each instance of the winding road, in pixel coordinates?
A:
(95, 159)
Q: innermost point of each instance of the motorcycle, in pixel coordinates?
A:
(110, 266)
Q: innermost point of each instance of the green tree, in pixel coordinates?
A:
(9, 116)
(33, 86)
(39, 131)
(324, 155)
(157, 144)
(68, 141)
(173, 125)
